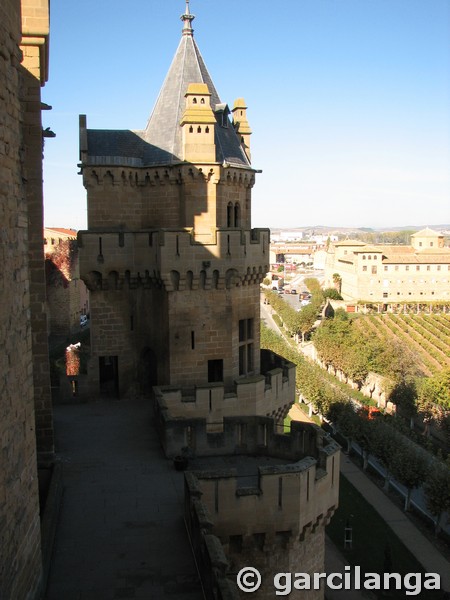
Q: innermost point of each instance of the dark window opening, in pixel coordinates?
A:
(215, 370)
(237, 215)
(246, 346)
(230, 215)
(109, 375)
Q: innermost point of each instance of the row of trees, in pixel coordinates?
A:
(402, 459)
(300, 322)
(343, 347)
(406, 462)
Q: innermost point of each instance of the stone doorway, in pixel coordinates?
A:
(148, 371)
(109, 375)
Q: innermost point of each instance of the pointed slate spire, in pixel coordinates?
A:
(187, 19)
(164, 125)
(161, 142)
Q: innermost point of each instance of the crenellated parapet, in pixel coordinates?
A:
(173, 259)
(205, 408)
(125, 172)
(269, 517)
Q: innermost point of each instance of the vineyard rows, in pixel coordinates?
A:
(427, 336)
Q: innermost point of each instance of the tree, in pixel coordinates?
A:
(305, 319)
(348, 424)
(437, 493)
(433, 399)
(332, 293)
(409, 467)
(313, 285)
(337, 280)
(385, 445)
(399, 365)
(364, 435)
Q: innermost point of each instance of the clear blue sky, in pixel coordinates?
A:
(349, 100)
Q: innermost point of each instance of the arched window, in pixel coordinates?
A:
(237, 215)
(194, 101)
(229, 215)
(207, 129)
(175, 280)
(199, 129)
(191, 129)
(202, 101)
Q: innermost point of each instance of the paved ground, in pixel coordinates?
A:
(121, 532)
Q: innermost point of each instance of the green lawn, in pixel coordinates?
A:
(372, 537)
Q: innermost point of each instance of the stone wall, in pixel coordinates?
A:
(20, 155)
(279, 524)
(145, 287)
(34, 45)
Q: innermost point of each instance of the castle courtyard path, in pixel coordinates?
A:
(121, 532)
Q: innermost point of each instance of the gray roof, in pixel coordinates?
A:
(160, 143)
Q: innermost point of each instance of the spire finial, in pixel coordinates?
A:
(187, 19)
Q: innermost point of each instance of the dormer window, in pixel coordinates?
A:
(222, 111)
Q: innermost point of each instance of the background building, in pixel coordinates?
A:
(67, 295)
(392, 273)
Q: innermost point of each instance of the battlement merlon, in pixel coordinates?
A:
(236, 257)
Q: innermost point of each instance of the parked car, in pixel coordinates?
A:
(305, 302)
(83, 320)
(294, 291)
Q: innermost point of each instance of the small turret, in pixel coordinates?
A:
(241, 125)
(198, 124)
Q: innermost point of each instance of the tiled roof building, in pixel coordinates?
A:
(390, 274)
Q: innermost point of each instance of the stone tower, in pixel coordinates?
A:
(170, 257)
(174, 268)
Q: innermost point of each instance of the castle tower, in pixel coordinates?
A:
(170, 257)
(174, 268)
